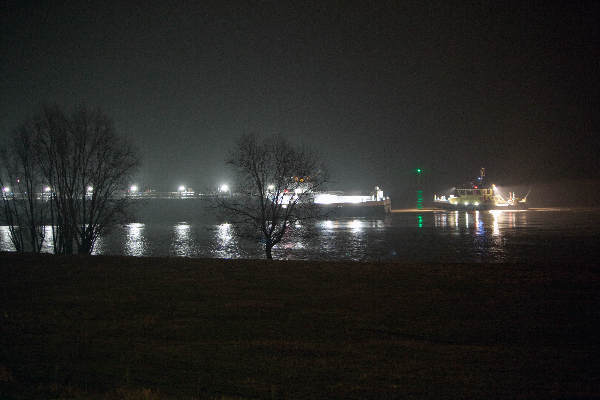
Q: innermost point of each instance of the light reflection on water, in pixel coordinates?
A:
(135, 243)
(424, 236)
(5, 242)
(181, 244)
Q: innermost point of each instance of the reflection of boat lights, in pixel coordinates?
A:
(466, 219)
(356, 225)
(327, 224)
(182, 228)
(495, 227)
(478, 223)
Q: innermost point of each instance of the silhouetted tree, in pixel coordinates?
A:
(274, 188)
(86, 167)
(23, 205)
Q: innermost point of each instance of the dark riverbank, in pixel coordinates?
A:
(122, 327)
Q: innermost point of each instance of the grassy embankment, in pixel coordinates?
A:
(144, 328)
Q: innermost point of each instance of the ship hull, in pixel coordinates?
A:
(365, 209)
(484, 206)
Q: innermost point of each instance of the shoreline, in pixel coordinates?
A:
(167, 327)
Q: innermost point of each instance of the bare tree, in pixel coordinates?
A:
(22, 193)
(274, 188)
(87, 166)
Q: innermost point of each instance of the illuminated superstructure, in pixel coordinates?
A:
(340, 204)
(478, 195)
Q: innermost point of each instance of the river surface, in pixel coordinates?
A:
(539, 235)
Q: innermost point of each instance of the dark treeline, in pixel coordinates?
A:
(59, 174)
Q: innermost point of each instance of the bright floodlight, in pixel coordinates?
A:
(181, 188)
(90, 189)
(224, 188)
(271, 187)
(133, 188)
(6, 189)
(46, 189)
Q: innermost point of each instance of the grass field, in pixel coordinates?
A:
(152, 328)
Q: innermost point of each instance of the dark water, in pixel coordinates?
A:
(540, 235)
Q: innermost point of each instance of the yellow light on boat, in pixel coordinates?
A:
(476, 203)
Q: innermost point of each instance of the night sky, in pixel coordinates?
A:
(378, 87)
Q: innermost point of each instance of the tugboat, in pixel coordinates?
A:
(479, 195)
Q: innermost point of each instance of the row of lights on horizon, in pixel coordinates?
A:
(223, 188)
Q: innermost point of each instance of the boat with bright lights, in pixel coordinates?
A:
(338, 204)
(479, 195)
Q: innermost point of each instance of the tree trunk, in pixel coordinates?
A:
(268, 247)
(85, 248)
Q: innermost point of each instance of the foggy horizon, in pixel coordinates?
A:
(378, 89)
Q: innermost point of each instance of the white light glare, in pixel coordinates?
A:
(46, 189)
(133, 188)
(224, 188)
(326, 198)
(181, 188)
(90, 189)
(271, 187)
(6, 189)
